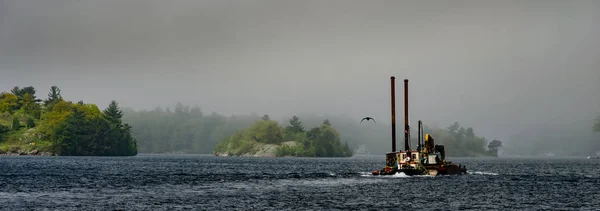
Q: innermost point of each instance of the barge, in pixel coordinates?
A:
(427, 159)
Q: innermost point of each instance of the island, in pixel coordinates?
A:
(54, 126)
(266, 138)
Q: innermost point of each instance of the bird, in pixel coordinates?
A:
(368, 118)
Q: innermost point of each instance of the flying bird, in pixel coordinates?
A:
(368, 118)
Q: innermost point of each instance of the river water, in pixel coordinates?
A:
(201, 182)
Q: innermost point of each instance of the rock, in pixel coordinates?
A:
(33, 152)
(22, 152)
(219, 154)
(265, 150)
(259, 149)
(290, 143)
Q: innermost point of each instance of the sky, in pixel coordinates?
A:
(497, 66)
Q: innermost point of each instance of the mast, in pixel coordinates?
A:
(406, 127)
(393, 79)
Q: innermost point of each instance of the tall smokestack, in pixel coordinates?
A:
(406, 127)
(419, 145)
(393, 80)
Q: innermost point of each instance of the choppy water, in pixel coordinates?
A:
(194, 182)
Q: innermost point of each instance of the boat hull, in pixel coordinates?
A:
(429, 170)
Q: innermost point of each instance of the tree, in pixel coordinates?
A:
(8, 102)
(16, 91)
(266, 117)
(266, 131)
(29, 105)
(326, 122)
(454, 128)
(53, 98)
(295, 125)
(470, 133)
(112, 113)
(25, 90)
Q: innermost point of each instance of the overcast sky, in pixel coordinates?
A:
(497, 66)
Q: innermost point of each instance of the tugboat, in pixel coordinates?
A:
(427, 159)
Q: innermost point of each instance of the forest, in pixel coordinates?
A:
(186, 129)
(54, 126)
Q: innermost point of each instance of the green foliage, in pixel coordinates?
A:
(30, 122)
(295, 126)
(113, 114)
(8, 102)
(62, 127)
(322, 141)
(15, 123)
(82, 130)
(53, 97)
(460, 141)
(29, 106)
(4, 128)
(294, 151)
(266, 131)
(25, 98)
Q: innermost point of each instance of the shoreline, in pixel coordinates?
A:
(34, 152)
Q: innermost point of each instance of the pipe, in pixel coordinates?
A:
(393, 79)
(419, 136)
(406, 127)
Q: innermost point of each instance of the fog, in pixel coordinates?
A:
(500, 67)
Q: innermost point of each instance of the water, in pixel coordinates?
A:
(194, 182)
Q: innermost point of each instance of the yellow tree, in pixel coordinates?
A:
(8, 102)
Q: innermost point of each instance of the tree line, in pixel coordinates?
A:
(62, 127)
(190, 130)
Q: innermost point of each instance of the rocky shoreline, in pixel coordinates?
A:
(34, 152)
(260, 150)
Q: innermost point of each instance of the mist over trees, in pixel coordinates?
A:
(189, 130)
(183, 129)
(561, 139)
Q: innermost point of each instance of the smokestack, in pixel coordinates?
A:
(393, 80)
(406, 127)
(420, 146)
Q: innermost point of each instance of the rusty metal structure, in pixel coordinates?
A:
(427, 159)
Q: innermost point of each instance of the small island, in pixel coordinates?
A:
(266, 138)
(31, 126)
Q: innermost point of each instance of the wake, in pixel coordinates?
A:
(402, 175)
